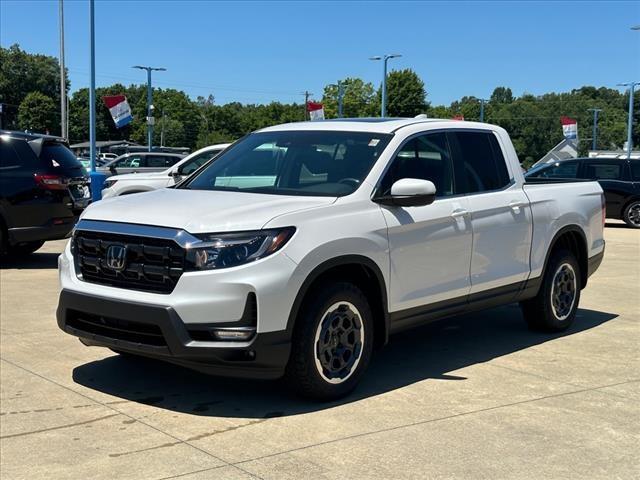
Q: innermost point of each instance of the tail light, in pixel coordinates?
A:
(51, 182)
(604, 208)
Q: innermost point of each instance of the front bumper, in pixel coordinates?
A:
(157, 331)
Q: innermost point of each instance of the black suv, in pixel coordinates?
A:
(619, 178)
(43, 189)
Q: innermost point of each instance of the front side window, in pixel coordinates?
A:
(603, 171)
(426, 158)
(133, 161)
(294, 163)
(480, 155)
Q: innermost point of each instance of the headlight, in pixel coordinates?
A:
(232, 249)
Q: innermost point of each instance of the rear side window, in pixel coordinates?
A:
(603, 171)
(171, 161)
(483, 163)
(635, 170)
(8, 157)
(154, 161)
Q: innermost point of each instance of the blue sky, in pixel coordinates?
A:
(256, 52)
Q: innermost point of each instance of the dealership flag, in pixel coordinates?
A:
(119, 108)
(316, 110)
(569, 128)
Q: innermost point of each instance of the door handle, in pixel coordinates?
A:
(459, 212)
(516, 206)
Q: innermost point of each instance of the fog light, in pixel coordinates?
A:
(233, 334)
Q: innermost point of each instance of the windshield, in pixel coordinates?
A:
(294, 163)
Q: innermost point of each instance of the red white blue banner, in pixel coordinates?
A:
(119, 108)
(569, 128)
(316, 110)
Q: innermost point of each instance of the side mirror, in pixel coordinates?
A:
(409, 192)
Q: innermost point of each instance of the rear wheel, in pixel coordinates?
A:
(554, 308)
(25, 248)
(332, 343)
(631, 214)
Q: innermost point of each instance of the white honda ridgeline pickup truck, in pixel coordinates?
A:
(303, 246)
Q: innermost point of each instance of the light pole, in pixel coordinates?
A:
(97, 178)
(340, 87)
(595, 111)
(149, 101)
(385, 59)
(63, 81)
(482, 102)
(631, 86)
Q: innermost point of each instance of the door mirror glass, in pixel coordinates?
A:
(410, 192)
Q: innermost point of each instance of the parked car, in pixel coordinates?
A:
(140, 162)
(43, 188)
(86, 163)
(303, 246)
(619, 178)
(144, 182)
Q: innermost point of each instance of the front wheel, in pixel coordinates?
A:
(332, 343)
(631, 214)
(554, 308)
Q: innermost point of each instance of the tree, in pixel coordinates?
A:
(359, 99)
(22, 73)
(501, 95)
(406, 95)
(38, 113)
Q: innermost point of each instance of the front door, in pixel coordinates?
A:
(429, 246)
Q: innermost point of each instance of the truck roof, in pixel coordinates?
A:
(374, 125)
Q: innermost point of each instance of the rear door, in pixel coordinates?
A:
(500, 212)
(613, 178)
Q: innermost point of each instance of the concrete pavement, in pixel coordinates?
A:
(477, 396)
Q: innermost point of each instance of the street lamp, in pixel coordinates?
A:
(149, 100)
(385, 59)
(631, 86)
(340, 87)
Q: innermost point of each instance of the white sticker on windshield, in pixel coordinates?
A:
(374, 142)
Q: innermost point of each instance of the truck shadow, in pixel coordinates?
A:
(429, 352)
(34, 261)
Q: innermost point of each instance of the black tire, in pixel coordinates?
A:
(631, 214)
(554, 308)
(26, 248)
(305, 372)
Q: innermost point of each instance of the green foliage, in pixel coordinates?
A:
(359, 99)
(37, 113)
(22, 73)
(406, 95)
(32, 82)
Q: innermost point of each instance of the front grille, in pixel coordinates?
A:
(117, 329)
(150, 264)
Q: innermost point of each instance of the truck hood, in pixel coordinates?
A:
(200, 211)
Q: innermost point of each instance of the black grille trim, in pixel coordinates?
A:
(136, 332)
(152, 264)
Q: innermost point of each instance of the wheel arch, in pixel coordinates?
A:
(573, 238)
(364, 273)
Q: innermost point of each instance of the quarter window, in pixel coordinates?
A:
(482, 159)
(426, 158)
